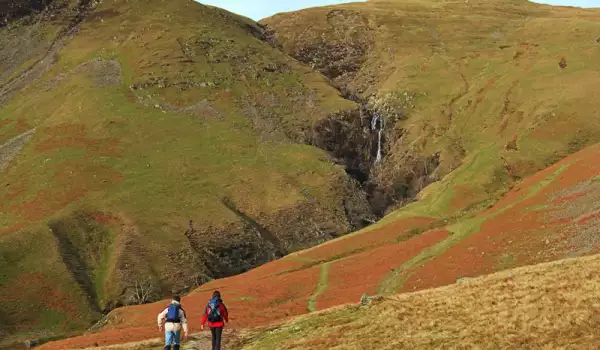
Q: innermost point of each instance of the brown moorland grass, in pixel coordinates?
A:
(274, 291)
(251, 303)
(539, 219)
(362, 273)
(532, 230)
(356, 242)
(546, 306)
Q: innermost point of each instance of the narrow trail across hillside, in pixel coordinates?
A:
(232, 339)
(321, 286)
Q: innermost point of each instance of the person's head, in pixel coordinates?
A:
(216, 294)
(177, 298)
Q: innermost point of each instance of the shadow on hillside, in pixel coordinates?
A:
(255, 245)
(265, 234)
(75, 263)
(7, 323)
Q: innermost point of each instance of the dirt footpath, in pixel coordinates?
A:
(200, 341)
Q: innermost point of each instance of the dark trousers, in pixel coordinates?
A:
(217, 332)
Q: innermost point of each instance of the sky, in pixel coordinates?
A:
(578, 3)
(259, 9)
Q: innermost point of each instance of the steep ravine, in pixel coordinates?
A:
(361, 139)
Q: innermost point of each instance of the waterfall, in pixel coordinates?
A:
(378, 159)
(378, 124)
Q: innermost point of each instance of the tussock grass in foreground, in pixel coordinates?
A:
(546, 306)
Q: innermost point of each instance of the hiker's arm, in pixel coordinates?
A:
(161, 318)
(225, 313)
(204, 317)
(183, 320)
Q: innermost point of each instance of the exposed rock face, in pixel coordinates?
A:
(13, 9)
(338, 51)
(354, 141)
(348, 138)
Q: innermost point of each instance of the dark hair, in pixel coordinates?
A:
(217, 294)
(177, 298)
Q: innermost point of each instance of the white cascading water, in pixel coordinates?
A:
(377, 119)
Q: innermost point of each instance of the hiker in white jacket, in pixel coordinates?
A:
(174, 320)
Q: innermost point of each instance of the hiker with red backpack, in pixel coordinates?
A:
(174, 320)
(216, 315)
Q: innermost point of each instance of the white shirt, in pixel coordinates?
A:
(173, 327)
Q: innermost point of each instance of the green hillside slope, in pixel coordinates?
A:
(550, 215)
(153, 145)
(477, 93)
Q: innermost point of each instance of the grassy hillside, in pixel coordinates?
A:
(550, 305)
(477, 94)
(545, 306)
(549, 216)
(148, 148)
(153, 144)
